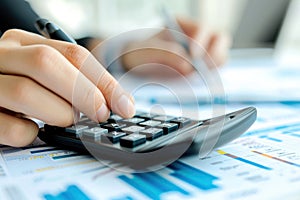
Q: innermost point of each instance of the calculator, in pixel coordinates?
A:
(149, 139)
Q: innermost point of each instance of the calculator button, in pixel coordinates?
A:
(132, 129)
(76, 129)
(134, 120)
(150, 123)
(163, 118)
(132, 140)
(152, 133)
(181, 121)
(82, 119)
(114, 118)
(113, 137)
(168, 127)
(90, 123)
(146, 116)
(94, 133)
(113, 126)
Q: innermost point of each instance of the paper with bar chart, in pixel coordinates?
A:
(262, 164)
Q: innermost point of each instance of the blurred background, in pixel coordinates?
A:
(252, 23)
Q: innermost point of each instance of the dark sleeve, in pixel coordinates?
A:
(17, 14)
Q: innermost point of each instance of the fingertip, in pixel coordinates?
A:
(184, 67)
(102, 113)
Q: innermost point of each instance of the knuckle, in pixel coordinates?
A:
(76, 54)
(12, 33)
(44, 56)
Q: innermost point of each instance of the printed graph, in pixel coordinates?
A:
(154, 185)
(72, 192)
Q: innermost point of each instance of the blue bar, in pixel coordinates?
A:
(66, 156)
(75, 193)
(253, 163)
(295, 135)
(123, 198)
(294, 164)
(151, 184)
(271, 138)
(44, 150)
(276, 128)
(49, 197)
(274, 139)
(193, 176)
(71, 193)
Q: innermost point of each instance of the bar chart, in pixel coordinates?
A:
(72, 192)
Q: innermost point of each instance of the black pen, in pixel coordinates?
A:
(172, 24)
(178, 35)
(52, 31)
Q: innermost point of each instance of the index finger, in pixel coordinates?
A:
(117, 99)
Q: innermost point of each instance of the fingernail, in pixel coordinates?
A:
(132, 99)
(125, 106)
(102, 113)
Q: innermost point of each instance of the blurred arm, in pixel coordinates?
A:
(17, 14)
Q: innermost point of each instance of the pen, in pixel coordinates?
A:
(52, 31)
(172, 24)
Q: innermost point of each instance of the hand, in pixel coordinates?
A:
(162, 49)
(42, 79)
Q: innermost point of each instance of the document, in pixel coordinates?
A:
(264, 163)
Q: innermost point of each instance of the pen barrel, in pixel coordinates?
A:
(60, 35)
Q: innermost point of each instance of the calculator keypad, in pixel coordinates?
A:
(129, 133)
